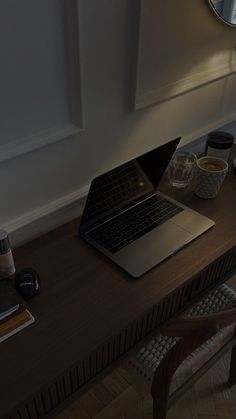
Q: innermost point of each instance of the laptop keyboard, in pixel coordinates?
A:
(134, 223)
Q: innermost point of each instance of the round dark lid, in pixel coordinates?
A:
(220, 139)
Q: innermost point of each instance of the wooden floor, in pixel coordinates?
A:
(120, 396)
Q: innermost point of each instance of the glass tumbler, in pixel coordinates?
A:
(181, 168)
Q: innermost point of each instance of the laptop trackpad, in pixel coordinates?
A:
(152, 248)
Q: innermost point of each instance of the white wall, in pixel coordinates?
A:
(48, 179)
(34, 94)
(185, 60)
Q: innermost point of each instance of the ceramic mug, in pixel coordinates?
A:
(209, 176)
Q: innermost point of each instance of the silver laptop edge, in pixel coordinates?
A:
(157, 245)
(154, 246)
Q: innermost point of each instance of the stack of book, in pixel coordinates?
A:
(14, 315)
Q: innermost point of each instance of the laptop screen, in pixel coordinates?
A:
(127, 183)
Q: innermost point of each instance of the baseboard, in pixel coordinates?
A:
(62, 210)
(46, 218)
(195, 141)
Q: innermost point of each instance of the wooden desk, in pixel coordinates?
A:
(89, 313)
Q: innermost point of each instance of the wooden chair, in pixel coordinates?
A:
(187, 339)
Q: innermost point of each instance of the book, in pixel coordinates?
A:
(15, 324)
(10, 301)
(13, 313)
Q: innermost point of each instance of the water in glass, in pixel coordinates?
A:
(180, 169)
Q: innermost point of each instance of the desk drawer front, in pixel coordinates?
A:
(43, 403)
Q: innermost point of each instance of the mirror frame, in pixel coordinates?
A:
(225, 22)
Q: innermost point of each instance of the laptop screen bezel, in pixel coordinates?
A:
(150, 190)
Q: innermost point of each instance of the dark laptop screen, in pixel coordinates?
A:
(127, 183)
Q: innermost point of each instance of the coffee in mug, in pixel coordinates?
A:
(210, 174)
(211, 166)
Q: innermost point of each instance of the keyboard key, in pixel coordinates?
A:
(134, 223)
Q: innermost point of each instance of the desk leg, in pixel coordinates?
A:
(159, 410)
(232, 371)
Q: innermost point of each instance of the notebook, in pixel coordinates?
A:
(10, 300)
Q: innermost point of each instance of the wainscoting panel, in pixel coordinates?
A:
(41, 94)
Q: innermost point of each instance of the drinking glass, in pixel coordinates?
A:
(180, 169)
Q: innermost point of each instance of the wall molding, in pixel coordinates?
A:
(74, 61)
(37, 140)
(184, 85)
(44, 137)
(46, 218)
(194, 139)
(62, 210)
(213, 62)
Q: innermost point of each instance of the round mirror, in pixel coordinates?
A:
(225, 10)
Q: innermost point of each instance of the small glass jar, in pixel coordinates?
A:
(219, 144)
(7, 265)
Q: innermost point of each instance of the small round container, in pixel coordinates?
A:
(7, 265)
(219, 144)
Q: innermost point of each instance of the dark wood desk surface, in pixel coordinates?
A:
(89, 312)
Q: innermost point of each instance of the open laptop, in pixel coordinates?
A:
(130, 222)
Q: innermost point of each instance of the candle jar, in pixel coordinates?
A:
(219, 144)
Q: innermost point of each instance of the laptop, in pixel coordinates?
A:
(133, 224)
